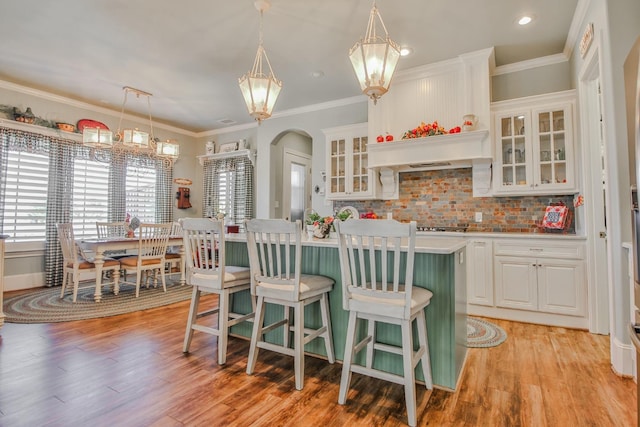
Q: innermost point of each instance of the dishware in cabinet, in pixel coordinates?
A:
(534, 145)
(348, 173)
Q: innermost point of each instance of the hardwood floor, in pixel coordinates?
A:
(129, 370)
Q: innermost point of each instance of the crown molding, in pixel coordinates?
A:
(529, 64)
(86, 106)
(575, 30)
(291, 112)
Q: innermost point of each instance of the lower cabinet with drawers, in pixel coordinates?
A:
(533, 280)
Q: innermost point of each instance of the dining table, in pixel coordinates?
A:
(100, 246)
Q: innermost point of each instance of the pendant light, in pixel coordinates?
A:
(374, 58)
(260, 91)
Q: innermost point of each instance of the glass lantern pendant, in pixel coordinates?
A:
(374, 58)
(260, 91)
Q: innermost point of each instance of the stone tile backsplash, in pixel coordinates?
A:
(445, 198)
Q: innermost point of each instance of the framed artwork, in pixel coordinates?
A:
(228, 147)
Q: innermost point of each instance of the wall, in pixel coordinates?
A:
(444, 198)
(533, 81)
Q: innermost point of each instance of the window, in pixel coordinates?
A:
(228, 189)
(225, 191)
(25, 195)
(141, 193)
(90, 196)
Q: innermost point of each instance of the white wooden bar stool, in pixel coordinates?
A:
(207, 272)
(372, 290)
(275, 257)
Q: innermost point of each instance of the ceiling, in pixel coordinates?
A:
(190, 54)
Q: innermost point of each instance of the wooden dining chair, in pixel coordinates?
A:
(175, 261)
(75, 263)
(376, 262)
(111, 229)
(152, 247)
(208, 273)
(275, 258)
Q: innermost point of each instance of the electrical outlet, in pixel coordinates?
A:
(478, 216)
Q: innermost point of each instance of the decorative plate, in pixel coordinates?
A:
(353, 211)
(87, 123)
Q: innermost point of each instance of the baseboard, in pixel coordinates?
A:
(24, 281)
(525, 316)
(622, 361)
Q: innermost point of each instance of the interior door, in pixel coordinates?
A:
(296, 183)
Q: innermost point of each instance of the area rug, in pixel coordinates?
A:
(481, 333)
(46, 306)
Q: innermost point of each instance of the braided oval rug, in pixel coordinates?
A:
(45, 305)
(481, 333)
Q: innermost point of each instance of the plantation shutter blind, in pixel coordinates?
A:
(228, 188)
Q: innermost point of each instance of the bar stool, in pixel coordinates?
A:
(207, 272)
(275, 257)
(371, 266)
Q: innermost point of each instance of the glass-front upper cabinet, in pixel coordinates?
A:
(534, 145)
(348, 174)
(513, 149)
(551, 138)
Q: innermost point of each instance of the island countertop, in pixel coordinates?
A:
(424, 244)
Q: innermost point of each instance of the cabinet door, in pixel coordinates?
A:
(480, 272)
(553, 148)
(337, 166)
(516, 285)
(561, 286)
(512, 153)
(359, 161)
(348, 173)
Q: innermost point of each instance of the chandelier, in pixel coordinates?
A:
(259, 90)
(131, 139)
(374, 58)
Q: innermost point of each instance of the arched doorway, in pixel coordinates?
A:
(290, 158)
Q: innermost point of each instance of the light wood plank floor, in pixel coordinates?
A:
(129, 370)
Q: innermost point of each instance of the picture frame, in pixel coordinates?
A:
(228, 147)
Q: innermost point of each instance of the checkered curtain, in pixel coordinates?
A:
(62, 153)
(59, 207)
(243, 184)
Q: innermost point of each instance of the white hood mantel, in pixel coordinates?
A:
(434, 152)
(460, 150)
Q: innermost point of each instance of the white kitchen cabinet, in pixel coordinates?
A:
(348, 175)
(480, 272)
(534, 146)
(541, 277)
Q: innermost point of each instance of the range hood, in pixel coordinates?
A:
(432, 152)
(461, 150)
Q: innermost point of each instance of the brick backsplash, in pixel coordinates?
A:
(445, 198)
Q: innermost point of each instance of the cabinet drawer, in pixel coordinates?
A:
(547, 249)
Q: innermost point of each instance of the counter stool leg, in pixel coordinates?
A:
(256, 335)
(409, 372)
(424, 344)
(345, 379)
(193, 312)
(298, 338)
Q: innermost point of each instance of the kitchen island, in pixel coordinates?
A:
(439, 267)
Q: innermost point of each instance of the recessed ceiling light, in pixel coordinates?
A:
(405, 51)
(524, 20)
(318, 74)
